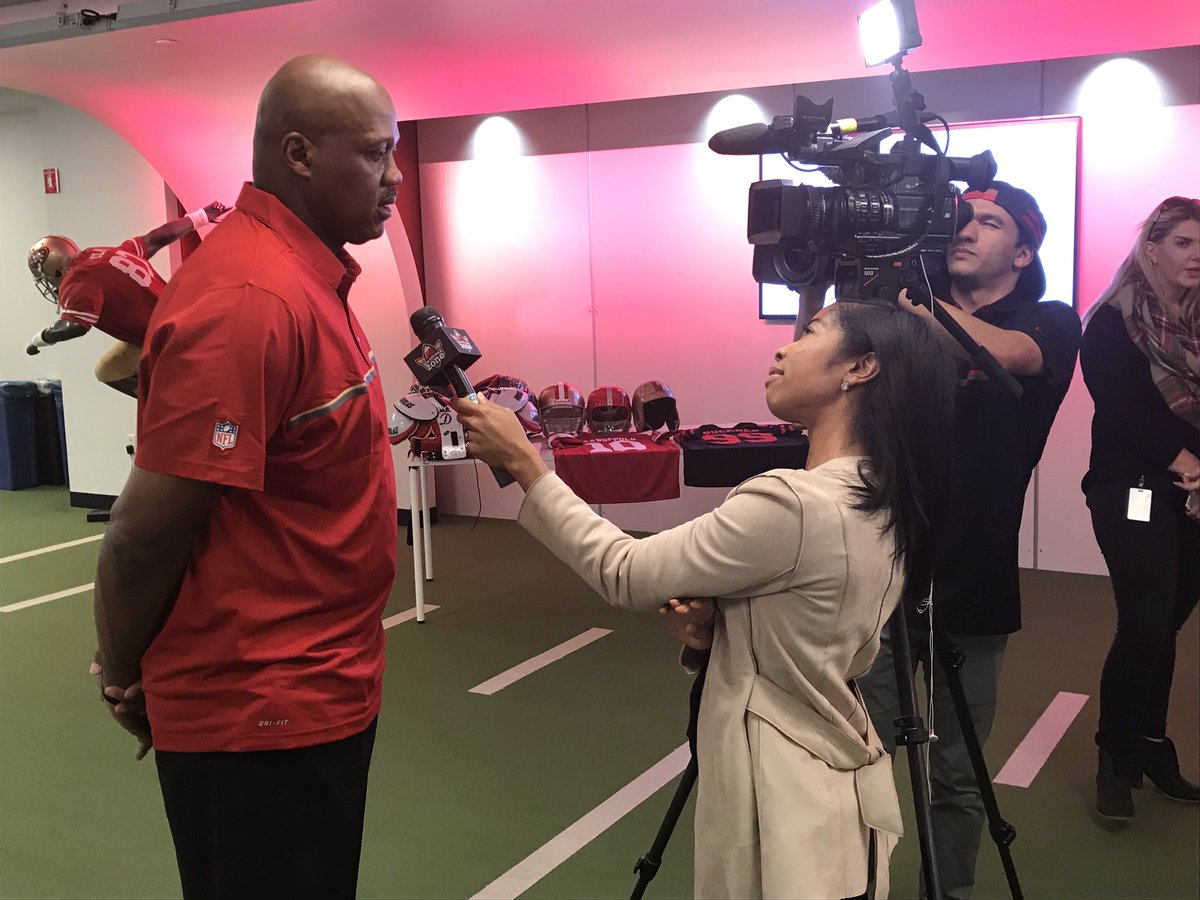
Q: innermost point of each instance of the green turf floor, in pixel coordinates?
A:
(464, 786)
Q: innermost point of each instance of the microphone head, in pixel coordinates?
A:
(425, 320)
(742, 140)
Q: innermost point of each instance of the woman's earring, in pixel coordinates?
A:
(845, 385)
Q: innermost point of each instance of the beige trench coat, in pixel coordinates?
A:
(792, 779)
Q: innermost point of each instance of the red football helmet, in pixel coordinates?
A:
(608, 410)
(653, 407)
(48, 261)
(562, 409)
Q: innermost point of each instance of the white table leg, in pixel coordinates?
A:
(414, 478)
(426, 528)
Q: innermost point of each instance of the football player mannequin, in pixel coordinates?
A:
(110, 288)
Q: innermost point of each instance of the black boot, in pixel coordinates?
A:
(1159, 762)
(1114, 781)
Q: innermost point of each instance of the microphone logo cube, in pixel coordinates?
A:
(441, 349)
(432, 357)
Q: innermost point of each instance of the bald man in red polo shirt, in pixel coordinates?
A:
(250, 555)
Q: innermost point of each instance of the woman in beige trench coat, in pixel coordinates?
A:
(805, 567)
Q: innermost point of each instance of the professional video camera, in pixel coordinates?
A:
(888, 223)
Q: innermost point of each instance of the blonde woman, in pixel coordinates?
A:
(1141, 362)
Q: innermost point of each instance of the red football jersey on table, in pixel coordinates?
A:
(114, 289)
(625, 467)
(257, 376)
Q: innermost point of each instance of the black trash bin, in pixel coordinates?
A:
(56, 390)
(18, 435)
(49, 435)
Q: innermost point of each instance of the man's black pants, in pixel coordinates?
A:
(270, 823)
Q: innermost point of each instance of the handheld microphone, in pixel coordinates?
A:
(752, 140)
(442, 354)
(440, 359)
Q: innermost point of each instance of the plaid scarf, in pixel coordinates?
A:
(1172, 347)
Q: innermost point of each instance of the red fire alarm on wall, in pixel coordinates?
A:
(50, 180)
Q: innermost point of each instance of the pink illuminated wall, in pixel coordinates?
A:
(507, 258)
(632, 263)
(1122, 180)
(674, 298)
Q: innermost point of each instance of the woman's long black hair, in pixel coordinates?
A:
(904, 419)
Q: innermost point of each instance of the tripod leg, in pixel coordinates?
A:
(1003, 833)
(647, 866)
(911, 732)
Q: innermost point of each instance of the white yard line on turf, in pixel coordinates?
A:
(567, 843)
(69, 592)
(29, 553)
(406, 616)
(1033, 751)
(516, 673)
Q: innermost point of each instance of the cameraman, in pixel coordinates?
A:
(996, 282)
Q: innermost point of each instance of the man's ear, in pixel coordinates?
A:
(865, 368)
(298, 153)
(1024, 256)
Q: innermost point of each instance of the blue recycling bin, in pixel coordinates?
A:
(18, 435)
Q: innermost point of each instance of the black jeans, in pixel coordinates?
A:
(270, 823)
(1155, 572)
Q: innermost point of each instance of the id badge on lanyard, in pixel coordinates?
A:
(1138, 508)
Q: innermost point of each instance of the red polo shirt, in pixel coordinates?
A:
(257, 376)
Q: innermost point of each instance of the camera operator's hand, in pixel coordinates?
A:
(906, 303)
(812, 298)
(690, 621)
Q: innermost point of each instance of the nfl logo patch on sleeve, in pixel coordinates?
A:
(225, 435)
